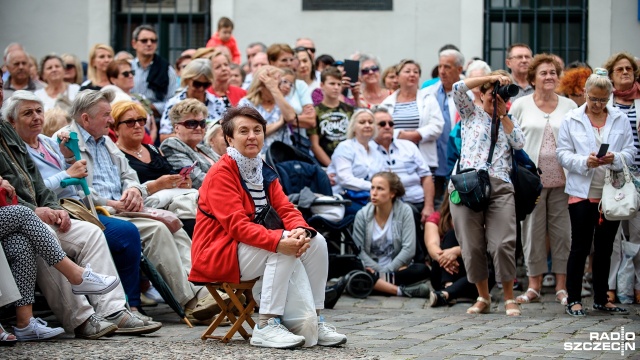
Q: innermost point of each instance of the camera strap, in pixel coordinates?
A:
(494, 130)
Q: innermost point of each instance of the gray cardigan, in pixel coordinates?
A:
(404, 236)
(179, 155)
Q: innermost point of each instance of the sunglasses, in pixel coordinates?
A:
(193, 124)
(146, 41)
(132, 122)
(127, 73)
(69, 66)
(369, 70)
(600, 100)
(384, 123)
(200, 84)
(302, 48)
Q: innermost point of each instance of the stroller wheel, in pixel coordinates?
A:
(359, 284)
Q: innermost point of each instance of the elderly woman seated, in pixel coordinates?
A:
(228, 244)
(189, 121)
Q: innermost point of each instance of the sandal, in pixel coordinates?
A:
(7, 338)
(524, 299)
(562, 296)
(512, 312)
(476, 310)
(577, 313)
(612, 310)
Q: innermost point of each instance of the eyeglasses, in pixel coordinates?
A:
(369, 70)
(600, 100)
(302, 48)
(521, 57)
(200, 84)
(127, 73)
(193, 124)
(621, 69)
(69, 66)
(285, 82)
(132, 122)
(384, 123)
(146, 41)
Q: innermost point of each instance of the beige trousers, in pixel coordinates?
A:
(85, 244)
(493, 231)
(551, 214)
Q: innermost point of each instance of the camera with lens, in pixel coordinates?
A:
(506, 91)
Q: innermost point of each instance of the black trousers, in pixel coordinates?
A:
(411, 274)
(585, 228)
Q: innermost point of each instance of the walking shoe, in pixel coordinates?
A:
(94, 328)
(207, 307)
(129, 324)
(327, 334)
(141, 316)
(275, 335)
(36, 330)
(421, 290)
(154, 295)
(94, 283)
(437, 299)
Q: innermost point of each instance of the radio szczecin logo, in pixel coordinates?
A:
(613, 341)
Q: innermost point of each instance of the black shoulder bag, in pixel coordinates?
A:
(300, 142)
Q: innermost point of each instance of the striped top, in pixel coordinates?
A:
(630, 110)
(406, 116)
(258, 195)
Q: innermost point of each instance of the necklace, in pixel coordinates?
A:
(138, 153)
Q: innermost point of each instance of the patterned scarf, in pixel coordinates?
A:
(250, 168)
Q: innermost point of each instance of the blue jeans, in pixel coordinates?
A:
(124, 243)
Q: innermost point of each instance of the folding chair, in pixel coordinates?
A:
(227, 311)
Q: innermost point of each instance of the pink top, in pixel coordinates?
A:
(552, 173)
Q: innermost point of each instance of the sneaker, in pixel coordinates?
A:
(275, 335)
(129, 324)
(146, 301)
(141, 316)
(154, 295)
(549, 280)
(327, 334)
(94, 283)
(36, 330)
(94, 328)
(437, 299)
(421, 290)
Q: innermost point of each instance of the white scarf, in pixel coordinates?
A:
(250, 168)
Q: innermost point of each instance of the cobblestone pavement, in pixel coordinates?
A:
(378, 328)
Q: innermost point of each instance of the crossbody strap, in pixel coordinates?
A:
(494, 137)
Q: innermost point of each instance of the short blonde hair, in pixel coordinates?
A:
(351, 128)
(195, 69)
(70, 59)
(54, 120)
(187, 106)
(118, 109)
(92, 75)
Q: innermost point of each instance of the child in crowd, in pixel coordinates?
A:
(224, 36)
(332, 117)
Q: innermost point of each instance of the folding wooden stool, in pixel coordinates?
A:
(227, 311)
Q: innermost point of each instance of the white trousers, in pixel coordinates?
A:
(276, 269)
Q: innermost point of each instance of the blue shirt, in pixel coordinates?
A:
(106, 180)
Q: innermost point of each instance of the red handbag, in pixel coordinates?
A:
(6, 200)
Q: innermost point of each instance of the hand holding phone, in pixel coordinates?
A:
(186, 171)
(603, 150)
(352, 70)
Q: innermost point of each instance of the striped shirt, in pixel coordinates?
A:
(406, 116)
(106, 179)
(630, 110)
(258, 195)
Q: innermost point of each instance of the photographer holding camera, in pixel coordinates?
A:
(493, 227)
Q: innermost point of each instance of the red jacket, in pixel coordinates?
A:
(230, 44)
(214, 251)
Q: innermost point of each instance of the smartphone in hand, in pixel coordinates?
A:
(186, 171)
(603, 150)
(352, 70)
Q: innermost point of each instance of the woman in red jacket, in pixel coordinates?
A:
(229, 246)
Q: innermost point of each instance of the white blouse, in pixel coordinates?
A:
(354, 165)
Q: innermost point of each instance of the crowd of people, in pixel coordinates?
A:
(172, 156)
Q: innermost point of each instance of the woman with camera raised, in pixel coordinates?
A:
(494, 228)
(540, 115)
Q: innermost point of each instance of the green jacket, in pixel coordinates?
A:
(22, 173)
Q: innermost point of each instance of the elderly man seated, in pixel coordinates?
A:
(88, 317)
(115, 184)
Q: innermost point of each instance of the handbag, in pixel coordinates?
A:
(527, 185)
(300, 142)
(619, 203)
(472, 186)
(268, 217)
(78, 211)
(6, 200)
(169, 219)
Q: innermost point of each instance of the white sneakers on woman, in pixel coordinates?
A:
(94, 283)
(276, 335)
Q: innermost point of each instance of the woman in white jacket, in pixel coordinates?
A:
(581, 134)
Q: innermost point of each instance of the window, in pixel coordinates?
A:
(347, 5)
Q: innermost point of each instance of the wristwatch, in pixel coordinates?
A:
(502, 116)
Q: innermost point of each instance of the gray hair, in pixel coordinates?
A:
(11, 105)
(478, 65)
(351, 128)
(9, 49)
(365, 57)
(599, 79)
(263, 47)
(456, 54)
(212, 130)
(195, 69)
(86, 100)
(380, 109)
(138, 30)
(13, 53)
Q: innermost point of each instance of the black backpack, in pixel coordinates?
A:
(525, 176)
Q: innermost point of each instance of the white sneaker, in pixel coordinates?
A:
(154, 295)
(94, 283)
(275, 335)
(36, 330)
(327, 334)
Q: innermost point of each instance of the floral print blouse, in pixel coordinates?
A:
(476, 137)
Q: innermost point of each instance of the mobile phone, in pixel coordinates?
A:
(603, 150)
(352, 70)
(186, 171)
